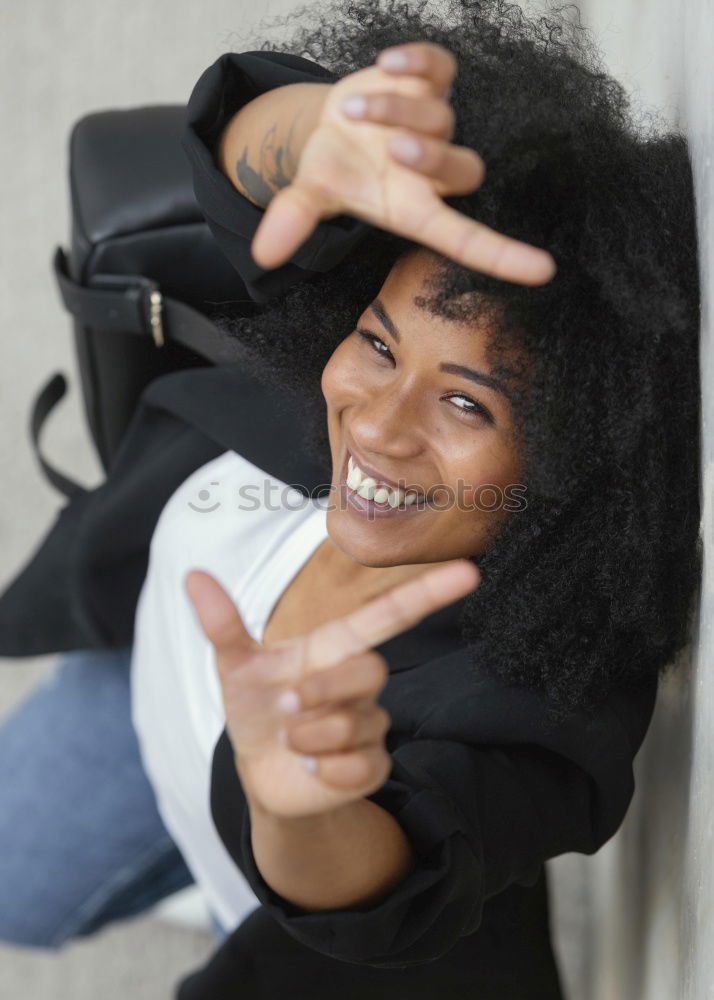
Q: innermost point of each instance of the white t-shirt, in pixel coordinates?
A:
(252, 533)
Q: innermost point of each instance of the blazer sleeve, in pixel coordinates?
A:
(479, 815)
(230, 82)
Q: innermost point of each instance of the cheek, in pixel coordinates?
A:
(493, 464)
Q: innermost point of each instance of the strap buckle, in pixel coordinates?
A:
(144, 291)
(156, 304)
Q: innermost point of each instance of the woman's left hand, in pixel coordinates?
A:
(318, 689)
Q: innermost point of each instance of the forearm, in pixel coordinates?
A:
(346, 859)
(260, 147)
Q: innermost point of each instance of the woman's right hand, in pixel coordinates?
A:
(350, 165)
(332, 675)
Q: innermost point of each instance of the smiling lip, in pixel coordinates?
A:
(358, 504)
(372, 472)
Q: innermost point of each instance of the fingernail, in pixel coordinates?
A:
(289, 702)
(533, 264)
(309, 763)
(406, 148)
(354, 106)
(393, 59)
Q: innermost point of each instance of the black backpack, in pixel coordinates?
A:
(141, 275)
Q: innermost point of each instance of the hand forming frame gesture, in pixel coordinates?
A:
(318, 689)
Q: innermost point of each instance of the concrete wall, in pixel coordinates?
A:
(649, 891)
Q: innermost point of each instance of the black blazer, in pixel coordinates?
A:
(483, 790)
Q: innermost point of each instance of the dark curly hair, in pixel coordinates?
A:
(594, 584)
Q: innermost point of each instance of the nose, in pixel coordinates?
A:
(387, 423)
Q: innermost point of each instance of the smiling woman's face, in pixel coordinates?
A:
(410, 399)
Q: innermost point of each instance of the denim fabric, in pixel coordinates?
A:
(81, 840)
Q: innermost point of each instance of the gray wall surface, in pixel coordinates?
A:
(650, 889)
(632, 921)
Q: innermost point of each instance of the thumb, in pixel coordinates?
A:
(290, 218)
(218, 616)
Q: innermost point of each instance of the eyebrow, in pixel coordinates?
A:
(470, 373)
(476, 376)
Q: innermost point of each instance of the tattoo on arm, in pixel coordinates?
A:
(251, 181)
(277, 167)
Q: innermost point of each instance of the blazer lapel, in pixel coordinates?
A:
(234, 409)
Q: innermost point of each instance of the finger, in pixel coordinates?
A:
(476, 246)
(218, 616)
(429, 116)
(364, 770)
(458, 168)
(355, 677)
(425, 59)
(289, 220)
(345, 728)
(388, 615)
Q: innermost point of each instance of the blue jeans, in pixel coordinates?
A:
(81, 840)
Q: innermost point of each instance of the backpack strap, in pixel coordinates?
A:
(131, 304)
(45, 401)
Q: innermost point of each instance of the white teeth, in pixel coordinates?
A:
(367, 488)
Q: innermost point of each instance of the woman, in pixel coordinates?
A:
(390, 786)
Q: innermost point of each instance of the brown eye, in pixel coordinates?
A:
(473, 406)
(373, 341)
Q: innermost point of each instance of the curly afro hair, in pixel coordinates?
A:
(594, 584)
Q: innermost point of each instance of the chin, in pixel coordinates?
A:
(367, 553)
